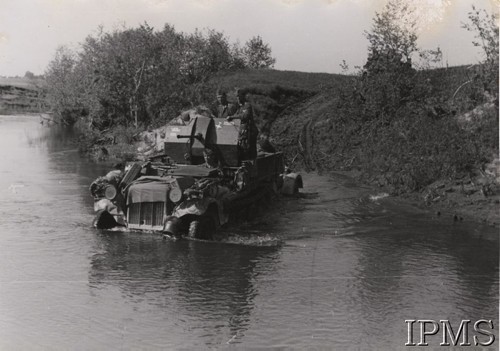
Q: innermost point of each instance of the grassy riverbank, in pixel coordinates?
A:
(440, 153)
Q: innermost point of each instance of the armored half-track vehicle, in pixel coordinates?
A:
(193, 186)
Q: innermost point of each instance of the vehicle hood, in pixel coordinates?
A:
(155, 189)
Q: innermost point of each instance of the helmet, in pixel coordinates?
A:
(221, 93)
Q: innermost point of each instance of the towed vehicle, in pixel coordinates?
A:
(193, 186)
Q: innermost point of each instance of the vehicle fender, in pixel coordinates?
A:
(192, 207)
(104, 205)
(292, 182)
(199, 207)
(172, 225)
(105, 220)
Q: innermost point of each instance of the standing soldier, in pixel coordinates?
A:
(224, 108)
(247, 135)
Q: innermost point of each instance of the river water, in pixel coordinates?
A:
(337, 268)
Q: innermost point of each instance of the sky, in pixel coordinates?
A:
(305, 35)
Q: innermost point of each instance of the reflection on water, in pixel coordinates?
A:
(340, 267)
(215, 281)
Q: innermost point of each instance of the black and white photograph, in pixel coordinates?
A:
(249, 175)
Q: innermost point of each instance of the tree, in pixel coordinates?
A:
(485, 27)
(257, 54)
(29, 75)
(204, 55)
(389, 80)
(393, 38)
(63, 86)
(138, 76)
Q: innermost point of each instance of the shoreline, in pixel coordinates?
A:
(462, 207)
(448, 200)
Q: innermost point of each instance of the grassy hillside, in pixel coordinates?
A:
(324, 130)
(311, 117)
(21, 95)
(289, 79)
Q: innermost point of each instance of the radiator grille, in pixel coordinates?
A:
(146, 214)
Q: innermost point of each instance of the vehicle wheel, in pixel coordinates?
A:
(202, 228)
(104, 220)
(194, 229)
(275, 188)
(278, 184)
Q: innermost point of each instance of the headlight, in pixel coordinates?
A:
(175, 194)
(110, 192)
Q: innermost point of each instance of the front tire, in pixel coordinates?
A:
(104, 220)
(202, 228)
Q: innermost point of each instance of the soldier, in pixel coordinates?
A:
(264, 144)
(224, 108)
(247, 135)
(211, 159)
(186, 116)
